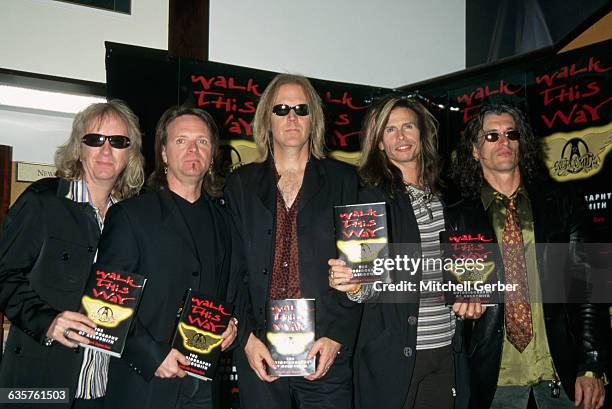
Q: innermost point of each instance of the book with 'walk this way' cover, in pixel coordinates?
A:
(361, 237)
(290, 334)
(470, 267)
(200, 324)
(110, 300)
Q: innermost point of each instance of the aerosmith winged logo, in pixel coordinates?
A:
(362, 250)
(577, 155)
(197, 340)
(290, 343)
(105, 314)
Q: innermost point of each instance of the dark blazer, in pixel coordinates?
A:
(251, 195)
(386, 345)
(574, 330)
(46, 249)
(148, 235)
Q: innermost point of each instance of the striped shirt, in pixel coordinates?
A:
(436, 325)
(94, 369)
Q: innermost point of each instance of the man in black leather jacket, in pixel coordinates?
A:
(560, 357)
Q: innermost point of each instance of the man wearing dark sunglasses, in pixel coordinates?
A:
(536, 342)
(283, 207)
(49, 241)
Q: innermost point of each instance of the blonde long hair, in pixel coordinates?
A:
(67, 156)
(262, 122)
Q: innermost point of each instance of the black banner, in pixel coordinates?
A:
(151, 81)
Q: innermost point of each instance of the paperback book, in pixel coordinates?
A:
(469, 270)
(110, 300)
(201, 321)
(361, 237)
(290, 334)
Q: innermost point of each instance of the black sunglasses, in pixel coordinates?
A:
(512, 135)
(283, 109)
(96, 140)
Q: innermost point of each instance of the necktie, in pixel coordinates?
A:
(519, 329)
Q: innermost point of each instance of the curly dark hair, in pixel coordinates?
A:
(466, 171)
(375, 168)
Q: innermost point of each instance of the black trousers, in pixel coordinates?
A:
(88, 403)
(195, 394)
(332, 391)
(433, 380)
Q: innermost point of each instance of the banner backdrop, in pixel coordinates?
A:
(151, 81)
(567, 100)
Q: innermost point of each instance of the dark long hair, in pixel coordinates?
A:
(375, 168)
(466, 171)
(158, 180)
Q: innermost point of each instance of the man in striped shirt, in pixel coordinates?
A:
(404, 356)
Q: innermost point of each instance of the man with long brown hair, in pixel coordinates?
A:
(414, 366)
(283, 207)
(178, 236)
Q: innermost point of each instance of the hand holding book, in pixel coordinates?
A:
(472, 309)
(340, 276)
(65, 326)
(229, 335)
(259, 357)
(170, 366)
(328, 350)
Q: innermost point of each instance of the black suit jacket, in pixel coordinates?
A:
(251, 195)
(148, 235)
(575, 331)
(46, 249)
(386, 345)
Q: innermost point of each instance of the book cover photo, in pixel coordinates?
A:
(469, 267)
(110, 300)
(201, 321)
(361, 237)
(290, 334)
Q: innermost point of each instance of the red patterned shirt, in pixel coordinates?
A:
(285, 281)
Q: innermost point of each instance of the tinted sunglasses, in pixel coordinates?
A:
(283, 109)
(96, 140)
(512, 135)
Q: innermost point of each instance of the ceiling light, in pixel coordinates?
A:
(45, 100)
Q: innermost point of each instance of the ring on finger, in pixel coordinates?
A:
(67, 332)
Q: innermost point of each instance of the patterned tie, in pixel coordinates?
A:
(519, 329)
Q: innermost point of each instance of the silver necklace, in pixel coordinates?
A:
(420, 198)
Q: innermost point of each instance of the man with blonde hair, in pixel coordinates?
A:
(283, 208)
(48, 243)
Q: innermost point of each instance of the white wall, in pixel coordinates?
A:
(34, 136)
(67, 40)
(387, 43)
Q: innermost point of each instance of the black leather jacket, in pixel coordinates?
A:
(575, 331)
